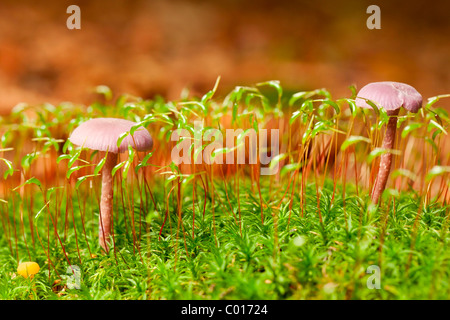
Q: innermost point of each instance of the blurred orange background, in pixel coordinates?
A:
(159, 47)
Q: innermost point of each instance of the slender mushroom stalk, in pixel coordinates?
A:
(102, 134)
(390, 96)
(386, 158)
(106, 200)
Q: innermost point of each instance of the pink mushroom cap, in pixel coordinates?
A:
(103, 133)
(390, 96)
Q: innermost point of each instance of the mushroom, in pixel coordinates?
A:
(28, 269)
(391, 96)
(102, 134)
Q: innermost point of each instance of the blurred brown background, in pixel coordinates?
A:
(162, 46)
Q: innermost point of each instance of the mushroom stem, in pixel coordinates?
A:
(386, 158)
(106, 201)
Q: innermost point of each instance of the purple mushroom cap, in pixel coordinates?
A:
(390, 96)
(103, 133)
